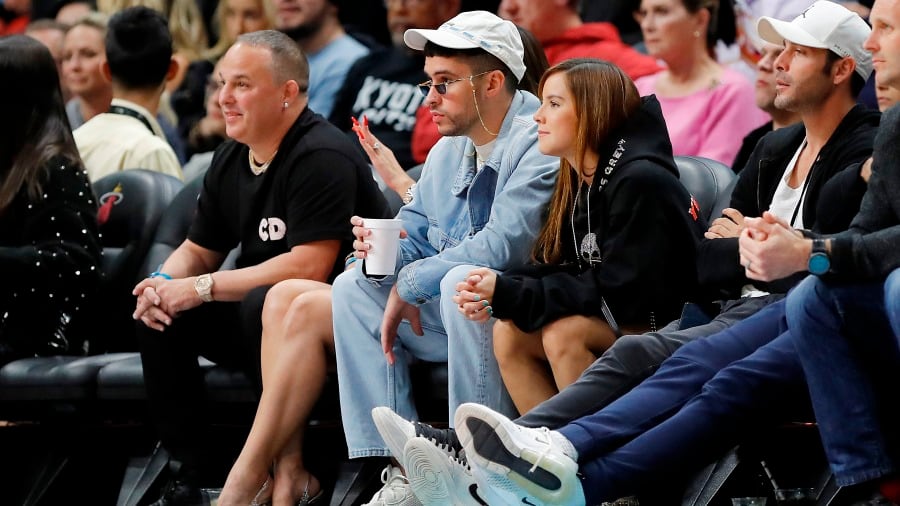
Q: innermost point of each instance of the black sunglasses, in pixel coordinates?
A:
(441, 88)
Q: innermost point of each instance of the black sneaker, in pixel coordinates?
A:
(396, 432)
(179, 493)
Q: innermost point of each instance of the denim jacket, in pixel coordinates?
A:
(461, 216)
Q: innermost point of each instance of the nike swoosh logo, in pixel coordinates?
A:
(526, 501)
(473, 491)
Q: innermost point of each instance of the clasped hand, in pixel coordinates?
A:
(474, 294)
(771, 249)
(159, 300)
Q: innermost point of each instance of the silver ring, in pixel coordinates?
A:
(376, 145)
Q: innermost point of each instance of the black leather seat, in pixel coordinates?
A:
(131, 205)
(173, 228)
(708, 181)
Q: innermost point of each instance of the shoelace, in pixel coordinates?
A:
(543, 431)
(388, 480)
(446, 438)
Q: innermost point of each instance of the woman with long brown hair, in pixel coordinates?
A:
(617, 249)
(49, 246)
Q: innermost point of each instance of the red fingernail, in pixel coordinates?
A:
(365, 120)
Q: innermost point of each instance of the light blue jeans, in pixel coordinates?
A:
(366, 380)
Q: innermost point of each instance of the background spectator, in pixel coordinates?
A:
(233, 18)
(381, 86)
(708, 107)
(51, 34)
(887, 95)
(764, 88)
(618, 12)
(139, 62)
(189, 37)
(84, 55)
(208, 133)
(315, 26)
(68, 12)
(558, 26)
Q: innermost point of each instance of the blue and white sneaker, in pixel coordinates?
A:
(439, 479)
(520, 464)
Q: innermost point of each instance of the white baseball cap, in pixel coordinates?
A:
(824, 25)
(475, 29)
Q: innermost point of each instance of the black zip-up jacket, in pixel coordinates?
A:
(646, 238)
(834, 183)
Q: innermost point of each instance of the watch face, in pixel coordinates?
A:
(819, 263)
(204, 283)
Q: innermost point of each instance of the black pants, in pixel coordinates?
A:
(227, 333)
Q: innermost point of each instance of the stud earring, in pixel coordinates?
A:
(285, 105)
(696, 34)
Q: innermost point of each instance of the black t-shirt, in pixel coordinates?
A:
(315, 183)
(382, 86)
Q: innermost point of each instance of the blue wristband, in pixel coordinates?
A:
(157, 274)
(349, 261)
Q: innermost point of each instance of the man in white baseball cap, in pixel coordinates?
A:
(474, 30)
(479, 203)
(823, 25)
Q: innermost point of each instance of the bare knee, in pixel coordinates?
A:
(560, 342)
(507, 341)
(308, 317)
(278, 300)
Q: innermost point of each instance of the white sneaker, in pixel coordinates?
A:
(519, 463)
(438, 479)
(397, 431)
(396, 490)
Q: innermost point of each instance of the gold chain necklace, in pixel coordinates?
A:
(259, 168)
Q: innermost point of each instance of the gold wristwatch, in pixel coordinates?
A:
(203, 285)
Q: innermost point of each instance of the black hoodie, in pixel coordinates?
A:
(647, 233)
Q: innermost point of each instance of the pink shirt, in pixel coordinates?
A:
(713, 122)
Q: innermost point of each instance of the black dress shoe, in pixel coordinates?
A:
(179, 493)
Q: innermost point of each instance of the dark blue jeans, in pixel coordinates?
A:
(849, 352)
(701, 402)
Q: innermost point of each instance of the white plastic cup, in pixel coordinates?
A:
(381, 258)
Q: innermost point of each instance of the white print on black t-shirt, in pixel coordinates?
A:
(389, 103)
(272, 229)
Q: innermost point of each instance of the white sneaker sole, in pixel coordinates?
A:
(387, 422)
(495, 445)
(429, 473)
